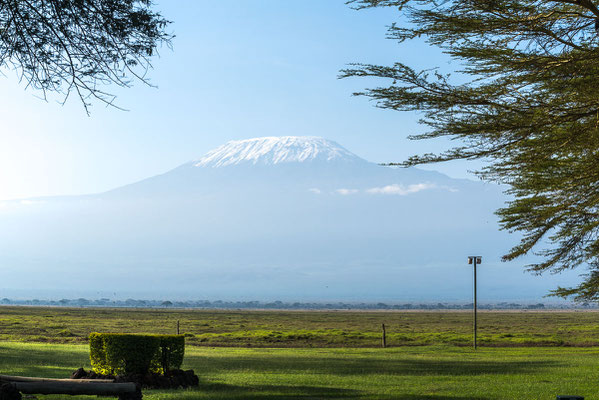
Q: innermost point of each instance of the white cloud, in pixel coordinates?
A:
(314, 190)
(31, 202)
(401, 190)
(345, 192)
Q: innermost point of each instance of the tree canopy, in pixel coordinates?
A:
(530, 107)
(80, 46)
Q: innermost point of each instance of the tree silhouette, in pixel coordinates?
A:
(526, 99)
(80, 46)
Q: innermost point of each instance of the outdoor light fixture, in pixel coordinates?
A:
(474, 260)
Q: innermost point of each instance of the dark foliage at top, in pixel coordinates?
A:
(80, 46)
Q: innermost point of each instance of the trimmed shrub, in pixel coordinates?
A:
(172, 350)
(117, 353)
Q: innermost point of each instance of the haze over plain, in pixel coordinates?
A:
(290, 218)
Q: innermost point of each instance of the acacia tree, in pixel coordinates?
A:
(530, 107)
(80, 46)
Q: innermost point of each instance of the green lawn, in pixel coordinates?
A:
(408, 373)
(304, 328)
(329, 355)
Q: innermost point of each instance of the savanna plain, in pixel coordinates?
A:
(329, 355)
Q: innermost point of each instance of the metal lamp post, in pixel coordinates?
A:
(474, 260)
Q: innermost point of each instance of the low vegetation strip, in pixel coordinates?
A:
(305, 328)
(408, 373)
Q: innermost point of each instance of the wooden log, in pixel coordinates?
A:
(11, 378)
(75, 388)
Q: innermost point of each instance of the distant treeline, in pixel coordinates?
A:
(280, 305)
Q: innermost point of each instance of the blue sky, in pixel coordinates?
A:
(238, 69)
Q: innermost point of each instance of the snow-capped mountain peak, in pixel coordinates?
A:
(277, 150)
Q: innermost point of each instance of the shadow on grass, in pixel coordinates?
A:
(61, 361)
(365, 366)
(276, 392)
(42, 361)
(281, 392)
(434, 397)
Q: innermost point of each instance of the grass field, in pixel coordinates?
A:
(429, 372)
(329, 355)
(305, 329)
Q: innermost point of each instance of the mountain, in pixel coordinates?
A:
(267, 218)
(277, 150)
(269, 163)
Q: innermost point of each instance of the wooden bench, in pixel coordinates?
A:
(97, 387)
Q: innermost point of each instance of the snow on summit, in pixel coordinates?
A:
(276, 150)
